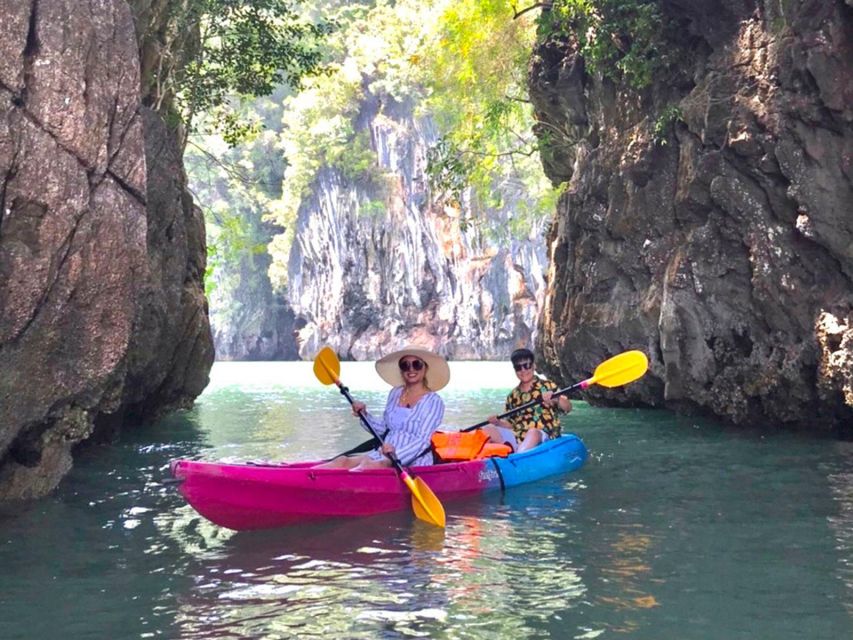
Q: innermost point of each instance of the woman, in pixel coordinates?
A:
(536, 424)
(412, 413)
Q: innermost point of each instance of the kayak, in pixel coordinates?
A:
(263, 496)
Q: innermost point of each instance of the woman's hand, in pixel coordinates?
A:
(387, 449)
(358, 408)
(547, 399)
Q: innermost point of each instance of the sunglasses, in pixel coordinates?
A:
(523, 365)
(416, 365)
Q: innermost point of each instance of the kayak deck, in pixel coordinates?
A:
(255, 496)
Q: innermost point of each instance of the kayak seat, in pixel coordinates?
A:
(456, 446)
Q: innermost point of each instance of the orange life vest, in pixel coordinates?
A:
(453, 446)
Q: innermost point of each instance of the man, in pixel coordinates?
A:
(536, 424)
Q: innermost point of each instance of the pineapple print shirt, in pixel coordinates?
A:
(537, 416)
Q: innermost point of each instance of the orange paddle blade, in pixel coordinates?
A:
(619, 370)
(425, 504)
(327, 367)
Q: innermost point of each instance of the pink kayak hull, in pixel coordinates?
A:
(261, 496)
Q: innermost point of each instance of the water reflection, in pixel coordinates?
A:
(497, 569)
(625, 574)
(840, 479)
(673, 529)
(288, 424)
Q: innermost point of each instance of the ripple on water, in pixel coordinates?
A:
(675, 528)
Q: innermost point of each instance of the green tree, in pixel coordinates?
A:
(235, 186)
(204, 54)
(621, 39)
(477, 75)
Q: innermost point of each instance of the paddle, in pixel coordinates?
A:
(425, 504)
(614, 372)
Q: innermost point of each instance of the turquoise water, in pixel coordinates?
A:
(675, 528)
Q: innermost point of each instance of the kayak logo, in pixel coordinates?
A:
(487, 475)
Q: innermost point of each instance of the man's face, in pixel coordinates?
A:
(524, 370)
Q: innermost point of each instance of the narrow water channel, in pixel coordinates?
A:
(675, 528)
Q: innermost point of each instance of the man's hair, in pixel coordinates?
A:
(521, 355)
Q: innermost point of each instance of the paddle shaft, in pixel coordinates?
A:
(613, 372)
(394, 460)
(580, 385)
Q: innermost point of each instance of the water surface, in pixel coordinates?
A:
(675, 528)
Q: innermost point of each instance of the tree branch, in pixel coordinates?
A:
(230, 170)
(504, 154)
(539, 5)
(556, 130)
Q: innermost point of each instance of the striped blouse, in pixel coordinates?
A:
(409, 430)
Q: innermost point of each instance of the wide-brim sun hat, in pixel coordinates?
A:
(438, 372)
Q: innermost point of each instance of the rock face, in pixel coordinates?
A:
(101, 254)
(171, 350)
(366, 283)
(724, 247)
(263, 325)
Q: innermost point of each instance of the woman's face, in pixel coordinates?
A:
(524, 370)
(412, 369)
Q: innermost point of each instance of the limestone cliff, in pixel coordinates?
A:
(101, 250)
(365, 279)
(248, 319)
(723, 245)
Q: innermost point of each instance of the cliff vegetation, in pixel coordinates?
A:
(412, 102)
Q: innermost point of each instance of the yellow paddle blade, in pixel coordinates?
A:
(327, 367)
(425, 504)
(619, 370)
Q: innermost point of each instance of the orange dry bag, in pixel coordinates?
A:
(454, 446)
(495, 450)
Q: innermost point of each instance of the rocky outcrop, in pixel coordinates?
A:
(251, 321)
(722, 243)
(366, 283)
(171, 349)
(101, 312)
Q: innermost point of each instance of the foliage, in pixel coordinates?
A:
(478, 81)
(461, 65)
(234, 48)
(235, 186)
(229, 242)
(446, 170)
(317, 132)
(370, 55)
(670, 114)
(621, 39)
(373, 208)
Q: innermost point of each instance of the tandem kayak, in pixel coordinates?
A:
(262, 496)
